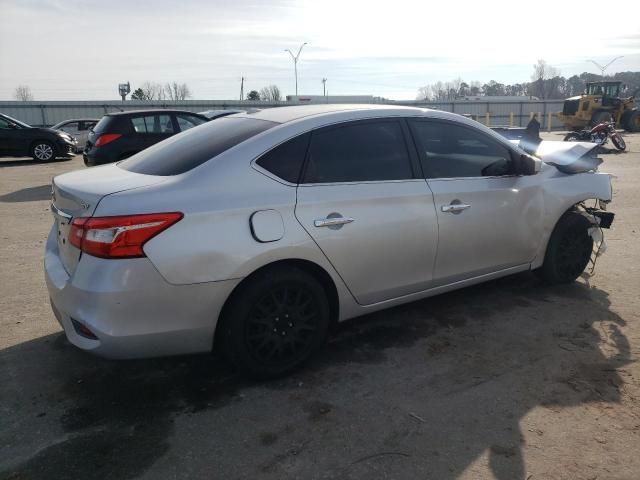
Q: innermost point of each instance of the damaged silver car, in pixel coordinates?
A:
(256, 233)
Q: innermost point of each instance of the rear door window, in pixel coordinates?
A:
(194, 147)
(358, 152)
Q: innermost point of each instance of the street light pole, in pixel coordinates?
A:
(602, 69)
(295, 62)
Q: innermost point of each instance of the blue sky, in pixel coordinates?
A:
(73, 49)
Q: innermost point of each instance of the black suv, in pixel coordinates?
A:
(122, 134)
(17, 139)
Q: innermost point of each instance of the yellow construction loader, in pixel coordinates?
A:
(601, 103)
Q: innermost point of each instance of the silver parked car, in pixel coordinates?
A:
(78, 129)
(256, 233)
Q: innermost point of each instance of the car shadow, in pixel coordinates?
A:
(512, 341)
(19, 162)
(30, 194)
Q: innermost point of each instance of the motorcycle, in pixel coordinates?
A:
(598, 134)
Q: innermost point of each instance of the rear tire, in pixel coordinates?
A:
(43, 151)
(274, 323)
(569, 249)
(618, 142)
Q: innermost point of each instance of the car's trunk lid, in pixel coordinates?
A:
(77, 194)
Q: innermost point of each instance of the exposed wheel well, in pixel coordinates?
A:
(313, 269)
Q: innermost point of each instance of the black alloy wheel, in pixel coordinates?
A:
(275, 322)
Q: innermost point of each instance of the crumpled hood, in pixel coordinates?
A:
(568, 157)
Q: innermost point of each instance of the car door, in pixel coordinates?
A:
(363, 202)
(489, 217)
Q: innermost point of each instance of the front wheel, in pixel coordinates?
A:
(43, 151)
(618, 142)
(275, 322)
(572, 137)
(569, 249)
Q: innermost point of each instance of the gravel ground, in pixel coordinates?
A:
(507, 380)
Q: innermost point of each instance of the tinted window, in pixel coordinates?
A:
(152, 124)
(358, 152)
(181, 153)
(4, 124)
(285, 161)
(185, 122)
(452, 151)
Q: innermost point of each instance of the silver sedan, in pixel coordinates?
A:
(258, 232)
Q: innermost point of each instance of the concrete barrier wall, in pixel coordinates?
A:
(499, 113)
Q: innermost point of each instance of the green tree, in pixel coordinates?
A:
(138, 94)
(253, 95)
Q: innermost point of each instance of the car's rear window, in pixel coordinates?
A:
(181, 153)
(102, 124)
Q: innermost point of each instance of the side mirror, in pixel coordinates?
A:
(13, 127)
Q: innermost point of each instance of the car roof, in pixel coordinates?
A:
(151, 111)
(79, 120)
(290, 114)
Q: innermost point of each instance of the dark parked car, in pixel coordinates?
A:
(122, 134)
(17, 139)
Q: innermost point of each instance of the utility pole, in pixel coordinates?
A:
(602, 69)
(295, 62)
(324, 87)
(242, 88)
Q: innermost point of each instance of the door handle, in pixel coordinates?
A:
(455, 207)
(332, 221)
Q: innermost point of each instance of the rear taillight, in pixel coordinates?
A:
(106, 138)
(118, 237)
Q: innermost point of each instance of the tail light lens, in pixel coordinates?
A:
(119, 237)
(106, 138)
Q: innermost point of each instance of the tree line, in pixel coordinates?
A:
(546, 84)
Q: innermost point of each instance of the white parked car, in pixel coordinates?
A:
(256, 233)
(79, 129)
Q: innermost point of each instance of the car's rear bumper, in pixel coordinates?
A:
(98, 156)
(130, 308)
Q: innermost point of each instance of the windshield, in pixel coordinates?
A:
(18, 122)
(608, 90)
(194, 147)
